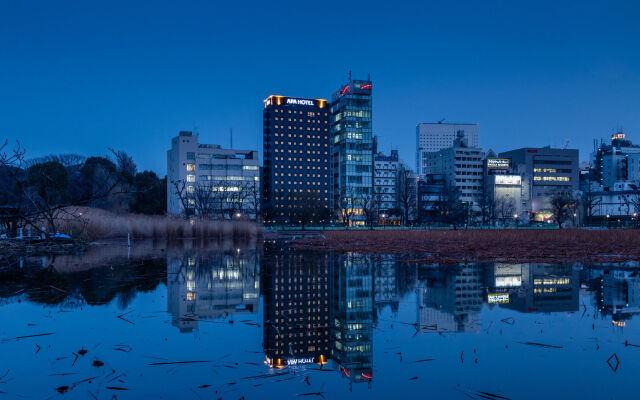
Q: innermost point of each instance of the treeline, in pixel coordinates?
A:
(38, 191)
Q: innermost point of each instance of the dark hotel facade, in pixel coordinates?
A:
(297, 155)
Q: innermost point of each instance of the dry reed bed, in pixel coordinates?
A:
(454, 246)
(95, 224)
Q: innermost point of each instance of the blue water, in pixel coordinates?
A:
(270, 323)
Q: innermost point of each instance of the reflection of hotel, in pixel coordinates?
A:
(214, 286)
(352, 317)
(296, 310)
(450, 299)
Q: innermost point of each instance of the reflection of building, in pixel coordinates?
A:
(619, 295)
(296, 310)
(211, 286)
(544, 288)
(386, 290)
(352, 317)
(450, 299)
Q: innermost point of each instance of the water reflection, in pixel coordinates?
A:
(345, 314)
(209, 285)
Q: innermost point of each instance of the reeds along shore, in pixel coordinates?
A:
(94, 224)
(533, 245)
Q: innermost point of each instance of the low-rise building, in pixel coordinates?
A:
(387, 169)
(546, 171)
(208, 180)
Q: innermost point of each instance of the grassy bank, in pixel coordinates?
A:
(94, 224)
(508, 245)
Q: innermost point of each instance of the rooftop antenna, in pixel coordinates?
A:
(231, 138)
(442, 120)
(349, 75)
(369, 76)
(195, 128)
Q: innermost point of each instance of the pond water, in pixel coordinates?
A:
(234, 322)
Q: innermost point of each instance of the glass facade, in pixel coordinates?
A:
(352, 159)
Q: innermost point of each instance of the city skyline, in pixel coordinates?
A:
(82, 79)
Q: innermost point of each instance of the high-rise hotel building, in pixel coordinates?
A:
(351, 129)
(297, 154)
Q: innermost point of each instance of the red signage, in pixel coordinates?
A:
(365, 87)
(345, 90)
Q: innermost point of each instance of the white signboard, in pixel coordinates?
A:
(508, 180)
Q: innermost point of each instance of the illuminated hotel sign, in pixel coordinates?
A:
(500, 163)
(293, 101)
(498, 298)
(300, 102)
(508, 180)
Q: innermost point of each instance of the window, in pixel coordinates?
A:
(191, 167)
(191, 178)
(191, 156)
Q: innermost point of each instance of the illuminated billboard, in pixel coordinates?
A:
(498, 298)
(498, 163)
(275, 100)
(508, 180)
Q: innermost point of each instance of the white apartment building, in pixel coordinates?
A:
(432, 137)
(194, 169)
(386, 170)
(460, 166)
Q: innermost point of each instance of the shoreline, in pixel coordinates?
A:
(502, 246)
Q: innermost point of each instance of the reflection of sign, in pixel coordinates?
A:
(508, 180)
(297, 361)
(501, 163)
(498, 298)
(508, 281)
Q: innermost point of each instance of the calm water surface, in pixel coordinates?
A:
(231, 321)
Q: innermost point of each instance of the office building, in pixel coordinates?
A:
(432, 137)
(352, 159)
(430, 193)
(461, 167)
(387, 171)
(297, 157)
(616, 162)
(548, 171)
(207, 179)
(505, 191)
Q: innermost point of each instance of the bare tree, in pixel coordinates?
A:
(41, 190)
(504, 208)
(562, 205)
(406, 192)
(370, 209)
(346, 205)
(186, 199)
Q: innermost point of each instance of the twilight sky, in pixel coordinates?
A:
(81, 77)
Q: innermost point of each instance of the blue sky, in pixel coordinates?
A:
(85, 76)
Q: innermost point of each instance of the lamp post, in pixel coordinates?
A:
(515, 218)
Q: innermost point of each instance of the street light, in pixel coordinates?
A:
(515, 217)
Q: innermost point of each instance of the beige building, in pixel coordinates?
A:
(207, 179)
